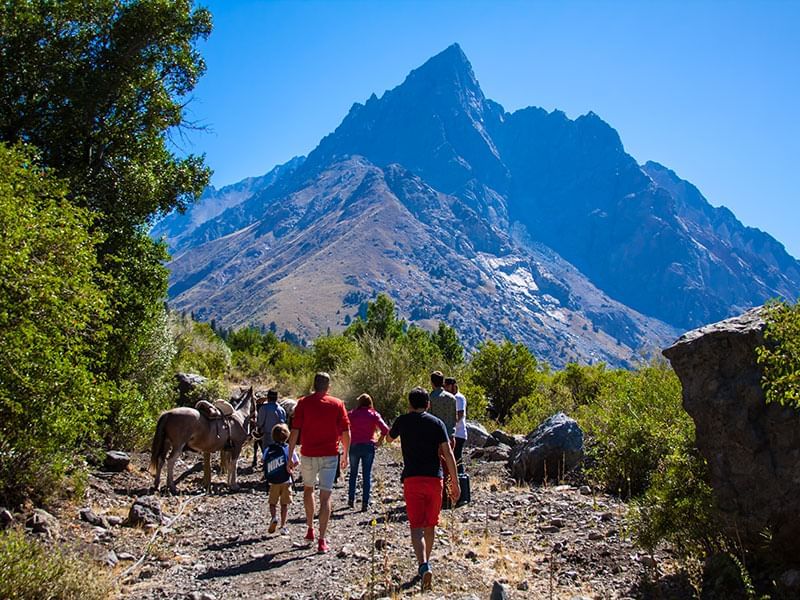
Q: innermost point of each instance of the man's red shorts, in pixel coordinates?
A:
(423, 497)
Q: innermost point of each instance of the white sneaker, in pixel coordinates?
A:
(284, 531)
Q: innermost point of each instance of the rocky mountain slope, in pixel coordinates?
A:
(527, 225)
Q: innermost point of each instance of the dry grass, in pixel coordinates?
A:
(32, 570)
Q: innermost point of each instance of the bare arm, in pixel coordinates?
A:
(446, 452)
(459, 415)
(292, 443)
(345, 448)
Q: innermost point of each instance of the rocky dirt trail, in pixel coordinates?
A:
(539, 542)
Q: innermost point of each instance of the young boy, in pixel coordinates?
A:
(276, 459)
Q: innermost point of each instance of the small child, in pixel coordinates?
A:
(276, 457)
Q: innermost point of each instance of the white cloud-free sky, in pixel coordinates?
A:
(709, 89)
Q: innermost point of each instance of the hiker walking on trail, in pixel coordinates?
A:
(276, 462)
(364, 422)
(425, 444)
(270, 413)
(322, 419)
(443, 403)
(460, 432)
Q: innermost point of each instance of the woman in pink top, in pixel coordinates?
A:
(364, 422)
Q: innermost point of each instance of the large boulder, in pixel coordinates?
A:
(476, 434)
(752, 448)
(188, 383)
(506, 438)
(116, 461)
(145, 511)
(552, 449)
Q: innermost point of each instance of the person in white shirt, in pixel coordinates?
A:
(460, 431)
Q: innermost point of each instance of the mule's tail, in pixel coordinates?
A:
(158, 449)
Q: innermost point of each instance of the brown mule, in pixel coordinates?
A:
(185, 428)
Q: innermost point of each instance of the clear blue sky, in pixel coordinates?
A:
(709, 89)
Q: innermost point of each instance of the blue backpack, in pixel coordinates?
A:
(276, 457)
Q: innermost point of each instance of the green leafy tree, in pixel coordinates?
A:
(381, 320)
(780, 356)
(96, 86)
(199, 349)
(584, 382)
(507, 371)
(52, 311)
(446, 339)
(333, 352)
(634, 423)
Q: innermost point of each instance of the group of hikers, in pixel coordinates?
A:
(432, 436)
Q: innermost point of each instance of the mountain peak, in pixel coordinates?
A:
(448, 69)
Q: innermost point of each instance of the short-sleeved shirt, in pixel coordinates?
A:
(420, 436)
(461, 425)
(269, 415)
(363, 423)
(321, 420)
(443, 405)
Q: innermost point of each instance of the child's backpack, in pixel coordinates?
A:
(276, 456)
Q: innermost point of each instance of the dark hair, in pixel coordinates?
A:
(449, 380)
(364, 401)
(322, 381)
(272, 396)
(437, 379)
(280, 433)
(418, 398)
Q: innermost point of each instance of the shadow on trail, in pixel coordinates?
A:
(256, 565)
(234, 543)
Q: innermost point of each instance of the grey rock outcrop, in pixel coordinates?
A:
(42, 522)
(116, 461)
(145, 511)
(476, 434)
(507, 439)
(752, 448)
(552, 449)
(187, 383)
(496, 453)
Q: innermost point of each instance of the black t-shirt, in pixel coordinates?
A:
(420, 436)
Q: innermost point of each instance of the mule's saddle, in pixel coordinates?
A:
(219, 413)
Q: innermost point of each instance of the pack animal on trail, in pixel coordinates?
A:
(185, 428)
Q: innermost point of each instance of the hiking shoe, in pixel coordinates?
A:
(427, 576)
(273, 525)
(322, 546)
(351, 503)
(284, 531)
(310, 534)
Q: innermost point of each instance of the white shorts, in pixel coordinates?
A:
(324, 466)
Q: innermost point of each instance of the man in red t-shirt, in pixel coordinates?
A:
(323, 421)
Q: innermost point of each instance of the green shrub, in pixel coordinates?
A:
(199, 349)
(635, 422)
(549, 398)
(31, 570)
(385, 370)
(333, 352)
(677, 507)
(51, 312)
(209, 390)
(507, 371)
(780, 356)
